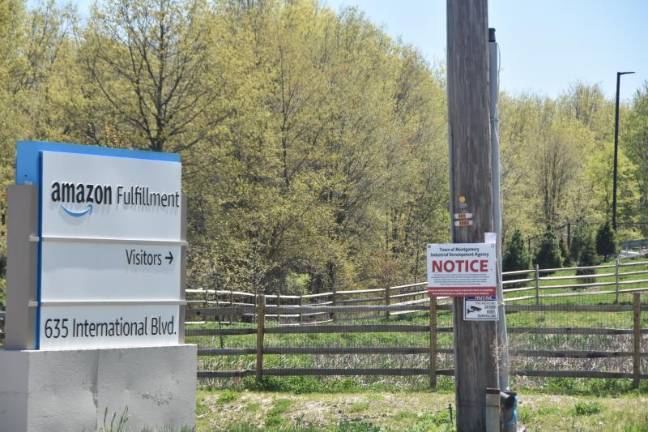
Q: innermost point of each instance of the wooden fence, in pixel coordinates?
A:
(216, 315)
(541, 283)
(614, 281)
(261, 330)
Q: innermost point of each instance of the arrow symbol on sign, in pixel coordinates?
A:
(169, 257)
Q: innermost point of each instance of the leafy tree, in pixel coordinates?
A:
(588, 257)
(314, 146)
(637, 138)
(600, 171)
(516, 256)
(548, 255)
(606, 241)
(148, 58)
(578, 242)
(564, 253)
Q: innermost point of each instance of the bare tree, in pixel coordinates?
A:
(557, 168)
(148, 59)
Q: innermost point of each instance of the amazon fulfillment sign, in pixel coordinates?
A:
(462, 269)
(109, 246)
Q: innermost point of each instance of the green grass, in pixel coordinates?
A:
(274, 416)
(341, 427)
(227, 396)
(587, 408)
(415, 411)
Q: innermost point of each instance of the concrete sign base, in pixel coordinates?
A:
(83, 390)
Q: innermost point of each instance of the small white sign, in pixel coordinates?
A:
(490, 237)
(461, 269)
(463, 223)
(480, 309)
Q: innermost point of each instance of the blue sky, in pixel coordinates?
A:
(545, 45)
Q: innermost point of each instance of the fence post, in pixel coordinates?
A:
(537, 283)
(433, 342)
(301, 313)
(636, 352)
(387, 300)
(219, 318)
(616, 280)
(334, 302)
(260, 334)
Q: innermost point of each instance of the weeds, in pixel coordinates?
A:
(274, 416)
(117, 423)
(587, 408)
(227, 396)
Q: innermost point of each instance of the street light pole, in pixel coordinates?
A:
(616, 150)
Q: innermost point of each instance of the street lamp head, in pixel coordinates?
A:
(624, 73)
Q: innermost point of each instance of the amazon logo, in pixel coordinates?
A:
(71, 196)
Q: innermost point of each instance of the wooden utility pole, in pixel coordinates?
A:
(470, 191)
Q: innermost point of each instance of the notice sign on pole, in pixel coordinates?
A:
(110, 247)
(461, 269)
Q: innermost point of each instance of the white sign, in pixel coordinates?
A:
(480, 309)
(110, 197)
(108, 326)
(110, 251)
(461, 269)
(75, 270)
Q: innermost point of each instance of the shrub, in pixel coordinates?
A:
(577, 242)
(588, 257)
(548, 255)
(564, 253)
(587, 408)
(606, 241)
(515, 257)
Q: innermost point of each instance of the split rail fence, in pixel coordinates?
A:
(600, 311)
(432, 331)
(560, 325)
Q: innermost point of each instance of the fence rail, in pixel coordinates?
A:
(411, 298)
(214, 316)
(432, 350)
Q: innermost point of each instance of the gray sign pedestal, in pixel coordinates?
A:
(82, 390)
(148, 388)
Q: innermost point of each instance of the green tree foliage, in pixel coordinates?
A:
(606, 241)
(588, 257)
(148, 60)
(628, 193)
(564, 253)
(516, 256)
(636, 137)
(314, 146)
(578, 242)
(548, 254)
